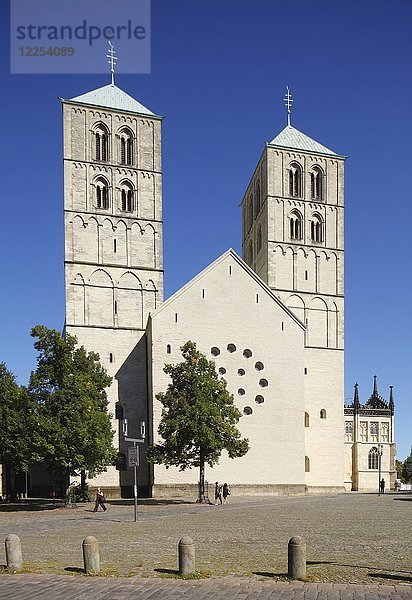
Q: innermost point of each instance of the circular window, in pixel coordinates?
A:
(247, 353)
(222, 370)
(259, 399)
(241, 371)
(247, 410)
(263, 382)
(215, 351)
(259, 366)
(231, 348)
(241, 392)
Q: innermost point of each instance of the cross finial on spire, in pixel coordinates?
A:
(112, 59)
(288, 102)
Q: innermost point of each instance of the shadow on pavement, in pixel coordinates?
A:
(148, 501)
(167, 571)
(74, 569)
(30, 505)
(391, 576)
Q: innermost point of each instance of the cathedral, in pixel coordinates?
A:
(272, 320)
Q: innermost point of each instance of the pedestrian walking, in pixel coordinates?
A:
(226, 493)
(382, 485)
(100, 501)
(218, 493)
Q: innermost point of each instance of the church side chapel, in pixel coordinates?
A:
(370, 447)
(272, 320)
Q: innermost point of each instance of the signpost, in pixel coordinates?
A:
(133, 460)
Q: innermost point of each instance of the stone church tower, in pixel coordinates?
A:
(293, 237)
(113, 244)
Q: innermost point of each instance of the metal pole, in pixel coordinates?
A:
(380, 468)
(135, 489)
(25, 477)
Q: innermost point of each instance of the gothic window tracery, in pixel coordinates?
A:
(250, 252)
(316, 184)
(295, 225)
(373, 458)
(348, 431)
(295, 180)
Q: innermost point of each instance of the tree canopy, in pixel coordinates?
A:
(69, 390)
(198, 418)
(407, 469)
(16, 419)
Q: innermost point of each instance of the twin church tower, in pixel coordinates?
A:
(272, 321)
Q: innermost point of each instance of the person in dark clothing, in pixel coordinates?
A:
(218, 493)
(100, 501)
(226, 493)
(382, 486)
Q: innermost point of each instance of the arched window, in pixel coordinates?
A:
(126, 147)
(373, 458)
(101, 142)
(250, 213)
(295, 225)
(250, 252)
(316, 184)
(257, 199)
(126, 192)
(323, 414)
(295, 180)
(316, 229)
(307, 464)
(102, 194)
(259, 239)
(306, 419)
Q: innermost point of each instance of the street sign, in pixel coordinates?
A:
(133, 456)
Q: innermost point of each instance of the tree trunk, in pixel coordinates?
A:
(202, 498)
(83, 482)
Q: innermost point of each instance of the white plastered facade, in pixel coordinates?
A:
(284, 304)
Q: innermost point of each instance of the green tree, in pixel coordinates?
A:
(407, 469)
(399, 469)
(16, 418)
(69, 390)
(198, 418)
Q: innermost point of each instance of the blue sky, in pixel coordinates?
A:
(218, 75)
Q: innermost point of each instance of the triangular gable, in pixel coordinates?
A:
(232, 254)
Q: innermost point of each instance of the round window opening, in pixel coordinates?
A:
(259, 366)
(222, 370)
(247, 353)
(215, 351)
(263, 383)
(241, 371)
(247, 410)
(241, 392)
(231, 348)
(259, 399)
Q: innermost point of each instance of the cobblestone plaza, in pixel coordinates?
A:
(351, 539)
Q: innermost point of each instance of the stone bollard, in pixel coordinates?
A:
(14, 557)
(91, 557)
(186, 556)
(297, 558)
